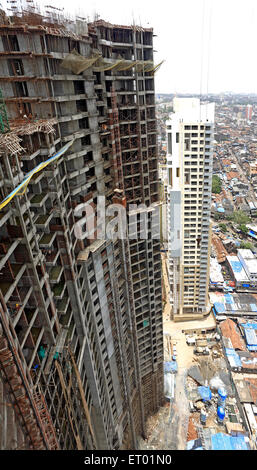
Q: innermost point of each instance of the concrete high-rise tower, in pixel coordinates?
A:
(81, 339)
(189, 163)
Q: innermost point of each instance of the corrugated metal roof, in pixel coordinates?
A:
(250, 336)
(229, 330)
(221, 441)
(243, 391)
(252, 385)
(234, 303)
(233, 358)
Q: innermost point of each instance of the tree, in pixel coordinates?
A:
(246, 245)
(223, 227)
(216, 184)
(243, 228)
(241, 218)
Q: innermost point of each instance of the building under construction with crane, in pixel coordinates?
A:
(81, 345)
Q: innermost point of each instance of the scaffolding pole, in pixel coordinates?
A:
(69, 407)
(26, 406)
(83, 398)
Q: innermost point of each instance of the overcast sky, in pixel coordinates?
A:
(207, 45)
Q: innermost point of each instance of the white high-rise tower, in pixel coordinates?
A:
(190, 135)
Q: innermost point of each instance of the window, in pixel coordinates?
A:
(15, 67)
(10, 43)
(177, 137)
(187, 144)
(169, 142)
(20, 89)
(177, 172)
(170, 176)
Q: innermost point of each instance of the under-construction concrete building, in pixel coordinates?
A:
(81, 348)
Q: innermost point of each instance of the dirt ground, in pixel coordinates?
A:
(168, 429)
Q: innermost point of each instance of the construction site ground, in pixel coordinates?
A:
(168, 429)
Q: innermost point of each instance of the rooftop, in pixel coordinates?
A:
(106, 24)
(191, 110)
(237, 268)
(230, 330)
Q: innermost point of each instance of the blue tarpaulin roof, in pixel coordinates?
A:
(205, 393)
(252, 234)
(219, 307)
(236, 266)
(229, 299)
(196, 444)
(221, 441)
(231, 302)
(233, 357)
(250, 336)
(170, 366)
(249, 325)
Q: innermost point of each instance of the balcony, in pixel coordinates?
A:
(42, 221)
(7, 286)
(47, 240)
(58, 290)
(62, 305)
(55, 274)
(65, 320)
(38, 200)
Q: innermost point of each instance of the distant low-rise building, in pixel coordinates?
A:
(238, 273)
(253, 168)
(252, 207)
(252, 230)
(243, 269)
(216, 276)
(249, 262)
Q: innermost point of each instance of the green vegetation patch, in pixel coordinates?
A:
(216, 184)
(246, 245)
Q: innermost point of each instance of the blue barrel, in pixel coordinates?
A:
(220, 414)
(222, 395)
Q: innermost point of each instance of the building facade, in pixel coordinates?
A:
(189, 164)
(81, 317)
(248, 112)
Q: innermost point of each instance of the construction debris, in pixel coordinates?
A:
(10, 142)
(195, 373)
